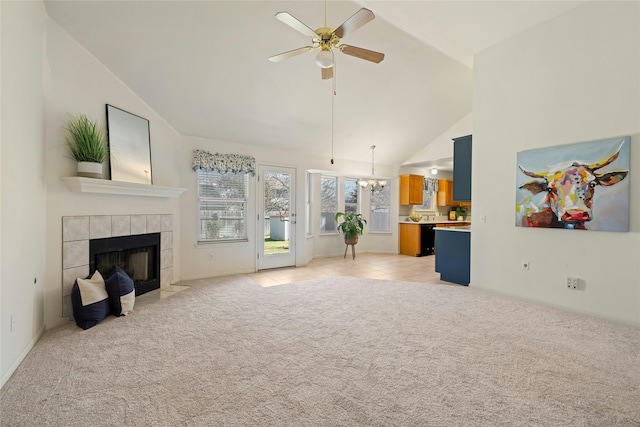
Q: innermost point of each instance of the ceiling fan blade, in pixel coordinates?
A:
(358, 52)
(356, 21)
(327, 73)
(296, 24)
(289, 54)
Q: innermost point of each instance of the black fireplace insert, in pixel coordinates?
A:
(138, 256)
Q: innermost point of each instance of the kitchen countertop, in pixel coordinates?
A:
(464, 228)
(432, 222)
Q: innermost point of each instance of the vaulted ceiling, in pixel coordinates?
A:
(203, 67)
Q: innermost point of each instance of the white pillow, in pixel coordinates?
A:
(92, 290)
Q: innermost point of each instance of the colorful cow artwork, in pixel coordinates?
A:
(564, 191)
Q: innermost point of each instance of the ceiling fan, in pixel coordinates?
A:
(327, 39)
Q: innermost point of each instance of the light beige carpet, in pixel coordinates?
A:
(331, 352)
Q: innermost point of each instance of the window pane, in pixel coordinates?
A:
(380, 202)
(222, 200)
(328, 204)
(351, 195)
(428, 201)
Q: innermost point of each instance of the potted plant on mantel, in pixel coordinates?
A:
(352, 226)
(87, 145)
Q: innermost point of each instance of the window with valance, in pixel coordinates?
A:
(223, 192)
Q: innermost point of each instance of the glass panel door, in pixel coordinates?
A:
(277, 218)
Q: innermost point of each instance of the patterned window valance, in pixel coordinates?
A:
(431, 184)
(223, 163)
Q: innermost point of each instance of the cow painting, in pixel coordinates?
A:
(564, 195)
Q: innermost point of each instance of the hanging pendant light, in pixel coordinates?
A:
(376, 185)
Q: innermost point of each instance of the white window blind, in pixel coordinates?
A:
(328, 203)
(222, 200)
(380, 204)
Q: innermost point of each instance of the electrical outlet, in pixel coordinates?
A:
(13, 322)
(526, 265)
(573, 282)
(211, 256)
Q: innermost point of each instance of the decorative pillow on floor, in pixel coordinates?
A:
(90, 301)
(122, 295)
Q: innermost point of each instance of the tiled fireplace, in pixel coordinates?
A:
(79, 231)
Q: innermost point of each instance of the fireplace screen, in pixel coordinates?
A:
(138, 256)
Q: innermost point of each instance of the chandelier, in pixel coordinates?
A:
(376, 184)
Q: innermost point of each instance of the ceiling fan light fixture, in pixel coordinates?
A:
(324, 59)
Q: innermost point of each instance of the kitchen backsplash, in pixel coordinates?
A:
(440, 214)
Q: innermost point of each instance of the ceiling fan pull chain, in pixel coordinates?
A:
(333, 97)
(325, 13)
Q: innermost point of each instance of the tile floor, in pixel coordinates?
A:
(372, 266)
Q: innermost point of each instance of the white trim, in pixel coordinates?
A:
(106, 186)
(21, 357)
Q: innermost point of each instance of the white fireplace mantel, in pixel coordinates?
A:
(105, 186)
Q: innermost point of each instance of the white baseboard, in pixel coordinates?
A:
(20, 358)
(58, 322)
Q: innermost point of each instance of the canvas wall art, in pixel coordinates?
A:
(582, 186)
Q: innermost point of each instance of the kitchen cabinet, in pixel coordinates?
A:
(462, 169)
(453, 257)
(445, 194)
(417, 239)
(411, 189)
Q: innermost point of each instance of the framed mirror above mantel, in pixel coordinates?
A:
(129, 146)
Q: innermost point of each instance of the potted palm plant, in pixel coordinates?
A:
(352, 226)
(87, 145)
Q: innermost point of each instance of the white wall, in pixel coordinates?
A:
(22, 181)
(442, 147)
(235, 258)
(572, 79)
(79, 83)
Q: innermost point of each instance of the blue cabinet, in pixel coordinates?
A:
(453, 256)
(462, 169)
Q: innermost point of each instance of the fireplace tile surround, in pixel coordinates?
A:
(78, 230)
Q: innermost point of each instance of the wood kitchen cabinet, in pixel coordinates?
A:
(411, 189)
(417, 239)
(445, 194)
(409, 239)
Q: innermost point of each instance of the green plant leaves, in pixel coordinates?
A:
(352, 224)
(87, 141)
